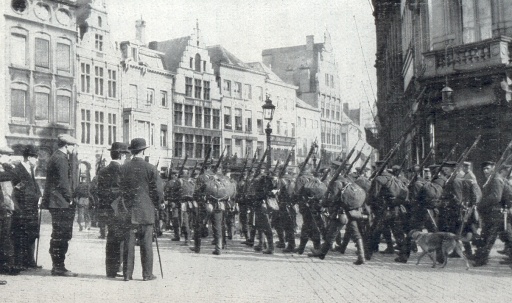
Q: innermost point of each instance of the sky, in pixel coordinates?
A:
(246, 27)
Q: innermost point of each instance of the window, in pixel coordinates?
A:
(285, 128)
(85, 78)
(98, 42)
(298, 121)
(199, 116)
(64, 57)
(98, 80)
(189, 145)
(99, 128)
(18, 50)
(248, 121)
(197, 89)
(227, 88)
(278, 127)
(247, 91)
(293, 129)
(238, 119)
(323, 131)
(332, 81)
(476, 20)
(163, 98)
(328, 133)
(150, 96)
(227, 145)
(191, 62)
(188, 87)
(334, 133)
(227, 117)
(198, 63)
(207, 143)
(326, 80)
(259, 93)
(216, 147)
(42, 53)
(260, 148)
(259, 125)
(343, 141)
(86, 126)
(112, 83)
(204, 66)
(178, 113)
(207, 118)
(63, 109)
(304, 123)
(238, 151)
(248, 148)
(134, 94)
(19, 5)
(163, 135)
(18, 103)
(216, 119)
(323, 108)
(189, 115)
(100, 22)
(327, 111)
(237, 90)
(42, 105)
(199, 147)
(135, 56)
(206, 92)
(338, 117)
(178, 145)
(112, 128)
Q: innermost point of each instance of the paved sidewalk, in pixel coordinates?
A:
(241, 275)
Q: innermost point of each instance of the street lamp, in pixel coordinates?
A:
(446, 93)
(268, 114)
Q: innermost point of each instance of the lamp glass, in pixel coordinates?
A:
(268, 109)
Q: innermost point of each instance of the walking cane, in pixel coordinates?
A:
(158, 252)
(38, 230)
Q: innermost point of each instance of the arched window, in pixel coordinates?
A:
(198, 63)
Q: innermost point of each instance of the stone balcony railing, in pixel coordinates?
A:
(468, 57)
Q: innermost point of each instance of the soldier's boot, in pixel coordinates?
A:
(185, 234)
(468, 250)
(281, 242)
(319, 253)
(360, 252)
(250, 241)
(302, 245)
(343, 246)
(216, 251)
(80, 227)
(197, 244)
(290, 247)
(270, 249)
(316, 244)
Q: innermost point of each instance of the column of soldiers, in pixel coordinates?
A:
(440, 198)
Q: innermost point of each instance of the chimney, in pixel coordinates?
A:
(140, 35)
(310, 42)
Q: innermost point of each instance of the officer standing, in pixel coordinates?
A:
(25, 227)
(142, 196)
(111, 203)
(58, 199)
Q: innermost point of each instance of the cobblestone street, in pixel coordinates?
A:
(241, 275)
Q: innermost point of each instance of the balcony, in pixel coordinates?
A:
(468, 58)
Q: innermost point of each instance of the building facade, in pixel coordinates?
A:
(313, 69)
(308, 130)
(196, 100)
(461, 47)
(147, 96)
(98, 99)
(39, 69)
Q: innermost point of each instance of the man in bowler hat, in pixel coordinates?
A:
(110, 202)
(58, 199)
(141, 195)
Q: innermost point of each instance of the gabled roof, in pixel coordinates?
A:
(265, 69)
(305, 105)
(218, 54)
(173, 51)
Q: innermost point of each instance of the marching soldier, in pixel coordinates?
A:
(142, 195)
(111, 203)
(186, 206)
(25, 225)
(287, 215)
(491, 210)
(58, 199)
(173, 197)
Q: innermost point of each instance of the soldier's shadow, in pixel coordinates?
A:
(48, 273)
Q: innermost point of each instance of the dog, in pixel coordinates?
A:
(443, 241)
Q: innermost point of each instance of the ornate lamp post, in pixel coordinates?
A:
(268, 115)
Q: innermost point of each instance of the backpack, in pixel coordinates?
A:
(349, 195)
(187, 187)
(430, 194)
(314, 189)
(397, 189)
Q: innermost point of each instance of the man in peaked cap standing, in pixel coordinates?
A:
(110, 201)
(58, 199)
(142, 196)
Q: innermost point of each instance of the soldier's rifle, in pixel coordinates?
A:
(287, 162)
(193, 173)
(244, 166)
(275, 167)
(436, 173)
(463, 158)
(310, 153)
(253, 162)
(355, 160)
(317, 169)
(180, 172)
(258, 168)
(206, 157)
(336, 175)
(363, 167)
(169, 168)
(498, 165)
(220, 160)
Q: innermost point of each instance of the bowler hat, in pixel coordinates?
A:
(488, 163)
(67, 139)
(119, 147)
(30, 151)
(138, 144)
(6, 150)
